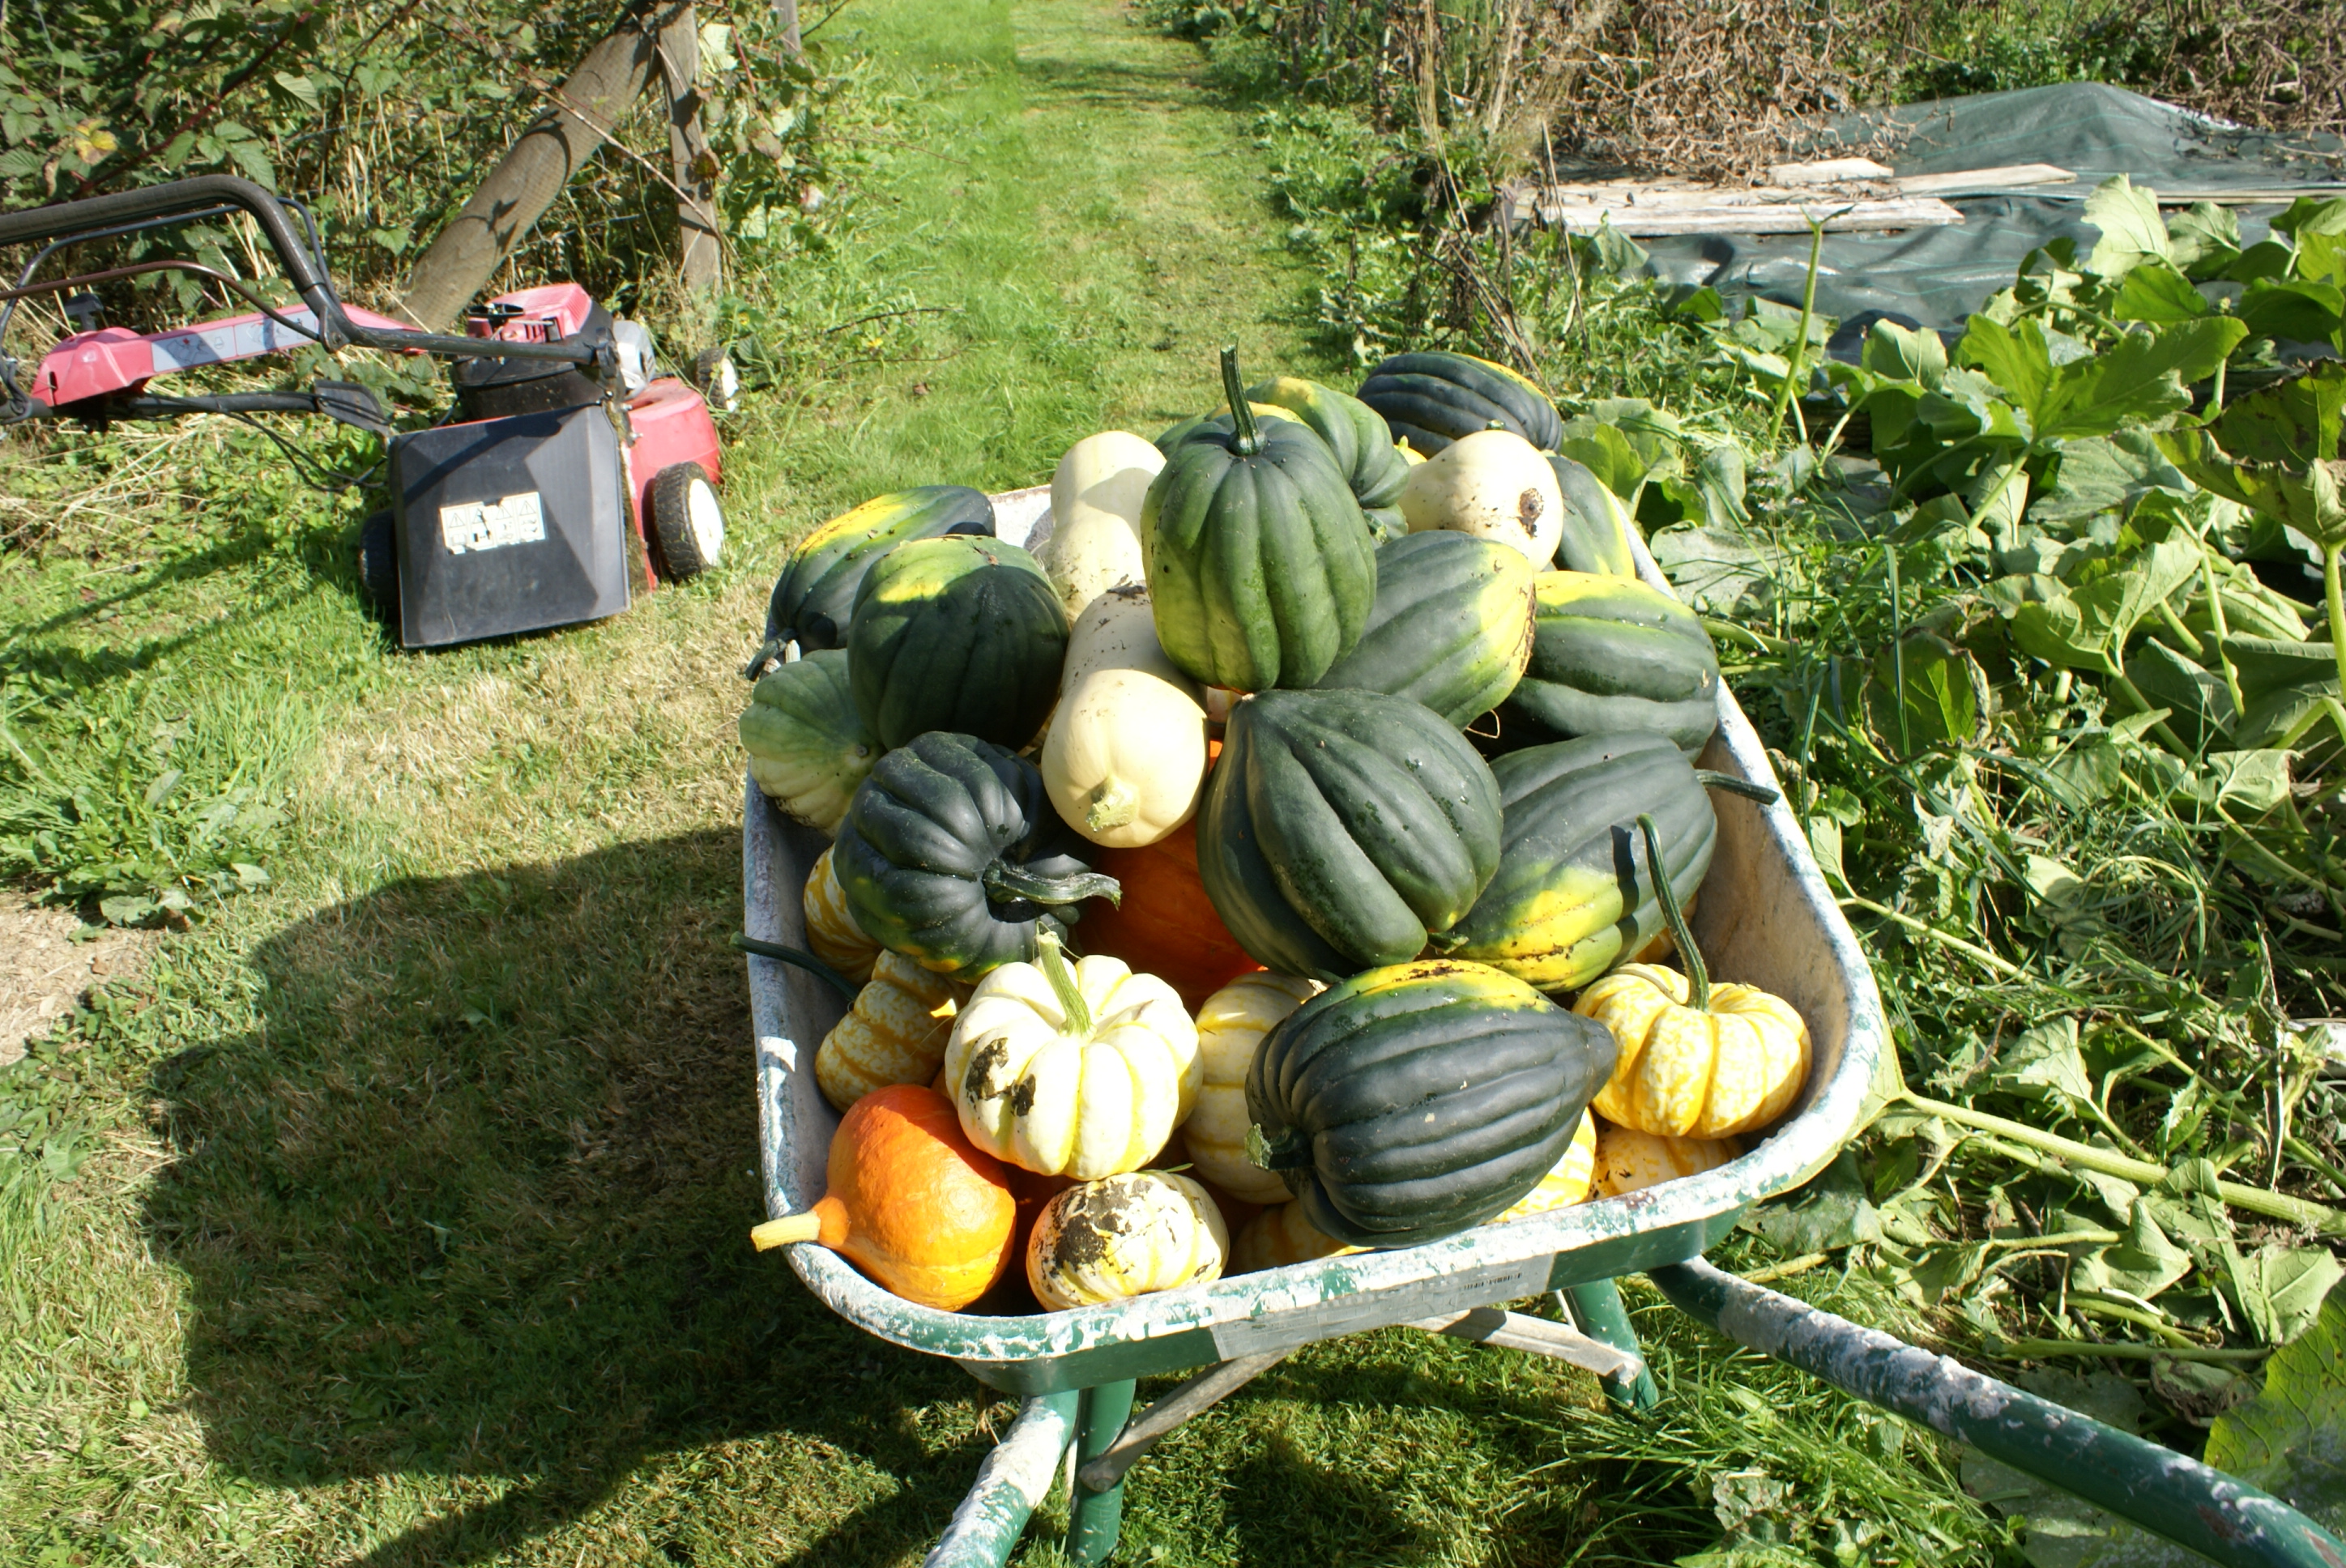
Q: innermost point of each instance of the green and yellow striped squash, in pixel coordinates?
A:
(1353, 431)
(1596, 525)
(1259, 563)
(1230, 1027)
(960, 635)
(1412, 1101)
(1555, 915)
(1609, 655)
(1451, 626)
(808, 747)
(1341, 828)
(815, 595)
(1432, 399)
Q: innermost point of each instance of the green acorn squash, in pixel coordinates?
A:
(808, 747)
(950, 854)
(1411, 1103)
(1259, 563)
(1596, 525)
(1610, 654)
(1340, 827)
(1451, 626)
(1373, 467)
(958, 634)
(1573, 893)
(1430, 400)
(815, 593)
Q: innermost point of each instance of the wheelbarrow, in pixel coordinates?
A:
(1767, 918)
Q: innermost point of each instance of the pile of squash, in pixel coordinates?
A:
(1275, 861)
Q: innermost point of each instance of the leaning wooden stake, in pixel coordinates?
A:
(702, 255)
(526, 181)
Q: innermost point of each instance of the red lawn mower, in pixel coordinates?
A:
(570, 474)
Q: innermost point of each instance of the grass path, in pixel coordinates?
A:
(414, 1234)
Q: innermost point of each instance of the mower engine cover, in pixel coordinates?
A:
(509, 526)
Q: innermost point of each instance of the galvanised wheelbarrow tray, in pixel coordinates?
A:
(1768, 918)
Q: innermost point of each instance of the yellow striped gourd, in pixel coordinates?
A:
(1230, 1026)
(896, 1033)
(831, 931)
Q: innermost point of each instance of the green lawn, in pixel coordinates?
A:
(409, 1226)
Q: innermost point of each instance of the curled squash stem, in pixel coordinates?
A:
(1054, 969)
(1697, 972)
(790, 955)
(1009, 883)
(1249, 439)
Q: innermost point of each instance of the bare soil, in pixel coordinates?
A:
(43, 971)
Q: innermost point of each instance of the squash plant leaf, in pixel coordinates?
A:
(1924, 691)
(1901, 354)
(2205, 239)
(1606, 452)
(2297, 310)
(2132, 230)
(2143, 376)
(2286, 1438)
(2157, 291)
(2280, 1288)
(2142, 1265)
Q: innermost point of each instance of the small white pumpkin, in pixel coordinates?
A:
(1125, 1236)
(1630, 1161)
(1230, 1025)
(1096, 497)
(1081, 1070)
(1125, 757)
(1493, 484)
(1571, 1181)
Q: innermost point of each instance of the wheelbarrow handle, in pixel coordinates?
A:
(2225, 1520)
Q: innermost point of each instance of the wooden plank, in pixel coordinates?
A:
(1970, 181)
(1727, 216)
(1828, 171)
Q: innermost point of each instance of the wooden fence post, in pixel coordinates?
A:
(701, 257)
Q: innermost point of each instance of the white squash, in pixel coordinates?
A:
(1123, 1237)
(1079, 1070)
(1493, 484)
(1125, 759)
(1230, 1025)
(1096, 497)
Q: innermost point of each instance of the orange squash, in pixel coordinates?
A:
(1166, 925)
(912, 1201)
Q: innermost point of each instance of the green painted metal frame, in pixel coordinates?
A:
(1775, 923)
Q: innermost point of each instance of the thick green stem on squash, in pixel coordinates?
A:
(1734, 785)
(1289, 1151)
(1062, 982)
(1247, 438)
(793, 956)
(1008, 884)
(1697, 972)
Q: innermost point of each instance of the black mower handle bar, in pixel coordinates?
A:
(335, 329)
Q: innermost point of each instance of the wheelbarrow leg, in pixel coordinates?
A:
(1093, 1517)
(1014, 1477)
(1596, 1307)
(2224, 1520)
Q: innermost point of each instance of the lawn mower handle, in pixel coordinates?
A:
(336, 329)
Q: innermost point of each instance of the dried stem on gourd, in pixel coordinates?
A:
(1698, 974)
(1247, 440)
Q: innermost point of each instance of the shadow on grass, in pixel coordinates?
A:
(473, 1201)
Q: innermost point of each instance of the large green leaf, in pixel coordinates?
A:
(1607, 453)
(1925, 691)
(2103, 474)
(2298, 420)
(2297, 310)
(2206, 239)
(1901, 354)
(2132, 230)
(2311, 498)
(2143, 376)
(2157, 291)
(2291, 1438)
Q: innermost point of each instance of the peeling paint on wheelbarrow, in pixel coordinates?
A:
(1766, 918)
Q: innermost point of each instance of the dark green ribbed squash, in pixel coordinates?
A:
(950, 854)
(1259, 563)
(1430, 400)
(1595, 537)
(1610, 654)
(1340, 827)
(1575, 894)
(816, 592)
(1411, 1103)
(1451, 626)
(1385, 523)
(1373, 467)
(956, 634)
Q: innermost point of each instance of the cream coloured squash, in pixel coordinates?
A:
(1279, 1235)
(1630, 1161)
(1125, 757)
(1493, 484)
(1080, 1070)
(831, 931)
(1096, 496)
(1696, 1060)
(1128, 1235)
(1571, 1181)
(895, 1034)
(1230, 1025)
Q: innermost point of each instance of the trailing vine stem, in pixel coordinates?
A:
(1698, 974)
(793, 956)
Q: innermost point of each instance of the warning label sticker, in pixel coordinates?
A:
(477, 525)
